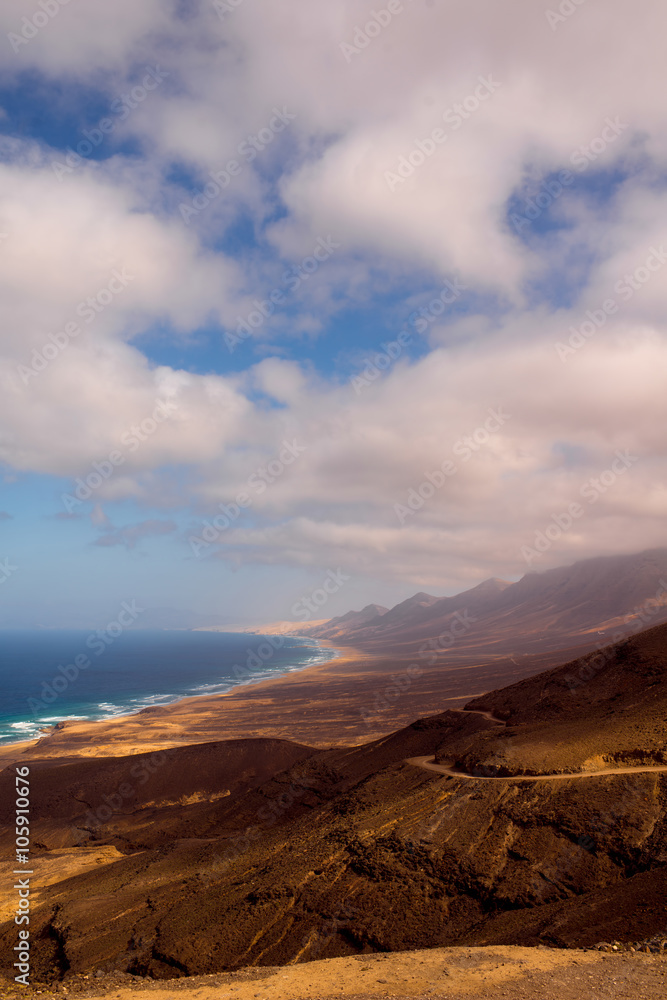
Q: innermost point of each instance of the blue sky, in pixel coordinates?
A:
(399, 238)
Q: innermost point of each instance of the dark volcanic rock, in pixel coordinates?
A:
(264, 852)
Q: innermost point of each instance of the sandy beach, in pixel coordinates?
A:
(350, 699)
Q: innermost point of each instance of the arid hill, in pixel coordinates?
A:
(324, 853)
(78, 799)
(625, 677)
(604, 709)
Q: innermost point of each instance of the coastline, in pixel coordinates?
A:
(348, 700)
(352, 697)
(48, 729)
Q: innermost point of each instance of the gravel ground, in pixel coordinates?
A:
(439, 974)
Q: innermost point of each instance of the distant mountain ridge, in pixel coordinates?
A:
(571, 606)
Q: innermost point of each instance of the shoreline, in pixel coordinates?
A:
(322, 645)
(56, 739)
(290, 706)
(349, 699)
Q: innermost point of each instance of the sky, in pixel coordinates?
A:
(306, 292)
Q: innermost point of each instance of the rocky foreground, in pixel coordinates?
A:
(503, 973)
(200, 860)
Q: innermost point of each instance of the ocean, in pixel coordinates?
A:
(48, 676)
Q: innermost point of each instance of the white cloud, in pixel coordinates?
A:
(354, 121)
(73, 38)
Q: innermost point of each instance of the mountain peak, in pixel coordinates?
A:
(563, 608)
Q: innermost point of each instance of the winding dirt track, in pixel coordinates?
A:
(428, 764)
(487, 715)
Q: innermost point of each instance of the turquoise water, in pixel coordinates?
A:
(51, 675)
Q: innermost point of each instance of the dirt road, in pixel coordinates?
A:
(428, 763)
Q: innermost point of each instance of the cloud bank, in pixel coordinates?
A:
(517, 151)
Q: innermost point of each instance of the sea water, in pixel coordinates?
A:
(44, 680)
